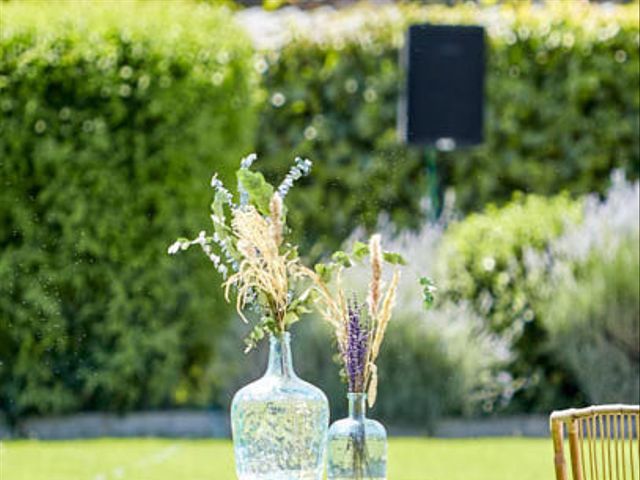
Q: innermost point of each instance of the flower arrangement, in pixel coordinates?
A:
(359, 332)
(359, 329)
(247, 247)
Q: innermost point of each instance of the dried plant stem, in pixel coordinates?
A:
(376, 275)
(385, 316)
(275, 208)
(264, 268)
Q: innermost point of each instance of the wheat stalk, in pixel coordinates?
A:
(263, 268)
(376, 274)
(275, 207)
(385, 315)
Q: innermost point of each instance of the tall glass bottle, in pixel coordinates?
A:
(279, 422)
(357, 445)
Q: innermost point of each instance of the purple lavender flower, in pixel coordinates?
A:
(355, 357)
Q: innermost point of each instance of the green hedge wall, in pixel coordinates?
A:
(113, 118)
(561, 110)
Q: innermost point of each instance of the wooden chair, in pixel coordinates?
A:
(603, 442)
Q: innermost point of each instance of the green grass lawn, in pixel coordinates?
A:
(167, 459)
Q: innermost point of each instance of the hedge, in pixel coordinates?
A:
(113, 118)
(561, 109)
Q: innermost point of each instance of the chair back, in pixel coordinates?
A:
(603, 442)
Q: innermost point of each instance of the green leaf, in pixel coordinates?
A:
(428, 291)
(324, 271)
(290, 318)
(254, 337)
(394, 258)
(259, 190)
(359, 251)
(342, 258)
(222, 229)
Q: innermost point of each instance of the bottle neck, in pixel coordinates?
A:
(280, 363)
(357, 405)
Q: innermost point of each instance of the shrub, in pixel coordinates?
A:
(541, 273)
(111, 119)
(594, 327)
(560, 112)
(483, 261)
(591, 306)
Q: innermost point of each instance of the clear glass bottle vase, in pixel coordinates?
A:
(279, 422)
(357, 445)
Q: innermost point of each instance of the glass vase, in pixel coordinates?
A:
(279, 422)
(357, 445)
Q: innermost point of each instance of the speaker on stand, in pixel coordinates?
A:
(442, 105)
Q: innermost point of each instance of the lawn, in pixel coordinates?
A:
(168, 459)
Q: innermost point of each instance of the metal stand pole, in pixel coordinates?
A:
(434, 189)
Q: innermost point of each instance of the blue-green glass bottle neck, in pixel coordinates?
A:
(357, 405)
(280, 363)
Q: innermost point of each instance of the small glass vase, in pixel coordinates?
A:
(357, 445)
(279, 422)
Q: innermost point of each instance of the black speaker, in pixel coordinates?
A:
(442, 104)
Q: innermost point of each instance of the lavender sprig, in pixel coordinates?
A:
(355, 357)
(205, 244)
(299, 170)
(218, 186)
(245, 163)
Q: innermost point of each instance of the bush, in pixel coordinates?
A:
(558, 280)
(594, 327)
(113, 119)
(591, 303)
(560, 109)
(484, 261)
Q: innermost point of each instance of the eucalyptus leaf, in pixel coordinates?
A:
(258, 189)
(342, 258)
(359, 251)
(325, 271)
(220, 227)
(394, 258)
(290, 318)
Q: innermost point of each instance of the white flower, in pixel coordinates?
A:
(247, 161)
(300, 169)
(200, 239)
(488, 263)
(174, 247)
(215, 183)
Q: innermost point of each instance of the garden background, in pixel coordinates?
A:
(114, 117)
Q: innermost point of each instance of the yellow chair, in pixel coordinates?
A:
(603, 442)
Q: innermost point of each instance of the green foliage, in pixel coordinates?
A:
(428, 291)
(258, 189)
(484, 261)
(113, 118)
(592, 319)
(359, 252)
(561, 111)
